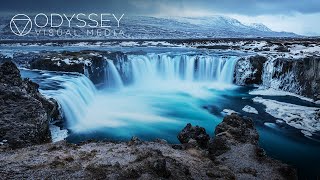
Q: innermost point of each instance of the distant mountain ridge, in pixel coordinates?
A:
(260, 26)
(144, 27)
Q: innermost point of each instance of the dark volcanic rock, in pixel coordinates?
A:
(248, 71)
(105, 160)
(137, 159)
(299, 76)
(96, 69)
(233, 129)
(24, 112)
(194, 132)
(235, 145)
(4, 58)
(91, 63)
(47, 64)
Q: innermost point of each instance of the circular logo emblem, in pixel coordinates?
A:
(21, 24)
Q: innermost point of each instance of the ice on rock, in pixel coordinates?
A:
(250, 109)
(299, 117)
(279, 121)
(57, 134)
(229, 111)
(263, 91)
(306, 133)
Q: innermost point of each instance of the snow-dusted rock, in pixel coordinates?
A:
(229, 111)
(250, 109)
(249, 70)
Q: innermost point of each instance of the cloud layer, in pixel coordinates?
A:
(244, 7)
(298, 16)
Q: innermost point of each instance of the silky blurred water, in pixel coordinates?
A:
(160, 107)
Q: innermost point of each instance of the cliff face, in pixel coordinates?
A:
(91, 63)
(249, 70)
(300, 76)
(24, 112)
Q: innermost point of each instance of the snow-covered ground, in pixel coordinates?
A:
(307, 119)
(273, 92)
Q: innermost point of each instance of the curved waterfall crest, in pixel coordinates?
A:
(74, 96)
(148, 71)
(168, 67)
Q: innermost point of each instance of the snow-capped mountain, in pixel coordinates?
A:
(260, 27)
(143, 27)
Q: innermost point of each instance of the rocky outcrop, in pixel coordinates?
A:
(235, 145)
(232, 154)
(64, 61)
(196, 133)
(234, 129)
(105, 160)
(248, 70)
(91, 63)
(299, 76)
(4, 58)
(234, 148)
(24, 112)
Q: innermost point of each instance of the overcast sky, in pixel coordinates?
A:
(299, 16)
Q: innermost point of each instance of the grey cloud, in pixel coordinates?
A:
(141, 7)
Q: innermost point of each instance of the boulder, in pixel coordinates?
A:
(235, 145)
(196, 133)
(234, 129)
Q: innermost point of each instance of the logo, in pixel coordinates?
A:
(21, 25)
(72, 25)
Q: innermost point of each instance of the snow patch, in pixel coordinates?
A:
(262, 91)
(299, 117)
(229, 111)
(250, 109)
(57, 134)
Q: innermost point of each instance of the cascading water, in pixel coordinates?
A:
(112, 76)
(74, 96)
(152, 67)
(156, 84)
(73, 92)
(158, 109)
(226, 75)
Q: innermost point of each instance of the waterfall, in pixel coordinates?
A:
(227, 72)
(74, 96)
(155, 67)
(112, 76)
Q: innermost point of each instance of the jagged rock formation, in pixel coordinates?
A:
(91, 63)
(235, 149)
(196, 133)
(24, 112)
(232, 154)
(236, 146)
(300, 76)
(248, 70)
